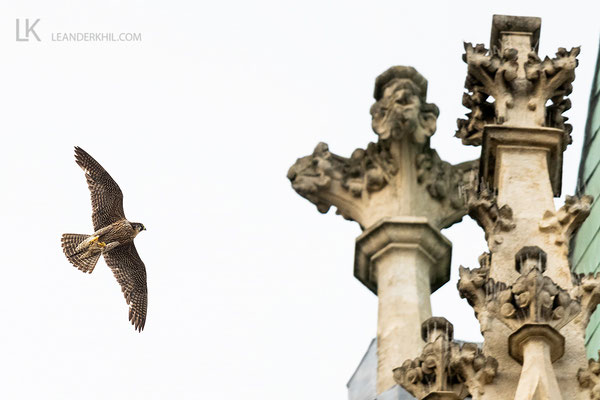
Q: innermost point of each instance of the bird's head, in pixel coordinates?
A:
(138, 227)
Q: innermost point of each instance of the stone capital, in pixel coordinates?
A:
(554, 340)
(412, 234)
(519, 81)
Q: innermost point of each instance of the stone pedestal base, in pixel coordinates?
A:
(402, 260)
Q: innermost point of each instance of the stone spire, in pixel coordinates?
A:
(401, 193)
(532, 311)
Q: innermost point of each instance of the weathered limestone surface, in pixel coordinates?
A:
(524, 285)
(532, 311)
(401, 193)
(402, 260)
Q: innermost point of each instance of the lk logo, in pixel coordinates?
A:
(29, 30)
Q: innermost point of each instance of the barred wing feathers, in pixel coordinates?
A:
(130, 272)
(107, 198)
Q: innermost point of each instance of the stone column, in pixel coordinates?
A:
(402, 260)
(402, 194)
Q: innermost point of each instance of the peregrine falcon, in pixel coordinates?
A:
(113, 238)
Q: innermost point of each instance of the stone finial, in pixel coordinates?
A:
(518, 80)
(401, 73)
(379, 181)
(401, 193)
(532, 299)
(445, 369)
(435, 327)
(530, 257)
(401, 108)
(564, 222)
(534, 308)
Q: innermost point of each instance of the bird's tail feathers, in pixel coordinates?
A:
(83, 260)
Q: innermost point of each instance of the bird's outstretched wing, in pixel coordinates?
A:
(107, 198)
(130, 272)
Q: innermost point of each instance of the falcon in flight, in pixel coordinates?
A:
(113, 238)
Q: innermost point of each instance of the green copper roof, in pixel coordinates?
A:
(585, 248)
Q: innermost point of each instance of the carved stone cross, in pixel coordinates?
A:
(401, 193)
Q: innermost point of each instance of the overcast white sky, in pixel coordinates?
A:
(251, 292)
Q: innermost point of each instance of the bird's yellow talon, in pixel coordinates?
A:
(97, 242)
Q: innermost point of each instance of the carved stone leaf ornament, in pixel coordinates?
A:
(402, 194)
(532, 298)
(530, 310)
(482, 205)
(445, 369)
(497, 73)
(589, 378)
(529, 305)
(404, 122)
(588, 290)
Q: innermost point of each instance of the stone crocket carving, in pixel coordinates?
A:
(589, 378)
(587, 289)
(482, 205)
(567, 219)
